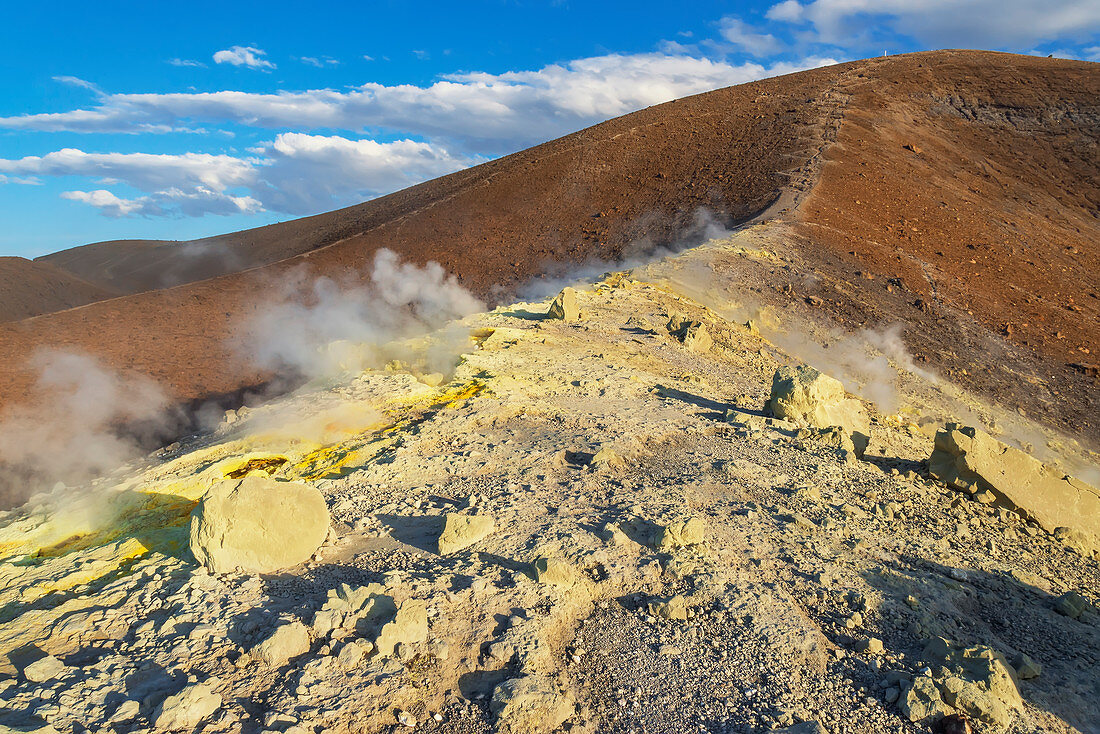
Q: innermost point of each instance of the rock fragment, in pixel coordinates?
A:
(532, 704)
(258, 524)
(692, 334)
(675, 607)
(462, 531)
(680, 533)
(973, 461)
(287, 642)
(1072, 605)
(1025, 667)
(564, 307)
(921, 700)
(187, 708)
(808, 397)
(409, 626)
(44, 669)
(553, 571)
(979, 681)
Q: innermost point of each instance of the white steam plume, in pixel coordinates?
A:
(321, 325)
(80, 421)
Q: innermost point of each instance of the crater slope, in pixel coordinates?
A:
(953, 192)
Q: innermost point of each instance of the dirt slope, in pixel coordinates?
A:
(29, 288)
(994, 213)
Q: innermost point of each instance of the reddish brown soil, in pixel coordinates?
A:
(29, 288)
(994, 212)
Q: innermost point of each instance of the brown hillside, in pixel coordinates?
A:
(987, 222)
(29, 288)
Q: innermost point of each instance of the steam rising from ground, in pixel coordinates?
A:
(702, 227)
(319, 326)
(82, 419)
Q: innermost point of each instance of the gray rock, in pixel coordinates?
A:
(1072, 605)
(1026, 668)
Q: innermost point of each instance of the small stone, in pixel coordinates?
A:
(44, 669)
(187, 708)
(869, 646)
(1071, 604)
(406, 719)
(672, 608)
(287, 642)
(1025, 667)
(891, 694)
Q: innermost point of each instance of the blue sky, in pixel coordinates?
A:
(175, 121)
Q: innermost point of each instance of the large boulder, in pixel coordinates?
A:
(970, 460)
(808, 397)
(257, 524)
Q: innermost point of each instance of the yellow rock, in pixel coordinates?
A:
(461, 531)
(258, 524)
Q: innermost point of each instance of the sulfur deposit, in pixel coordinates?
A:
(587, 525)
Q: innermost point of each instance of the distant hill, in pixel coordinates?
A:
(956, 192)
(29, 288)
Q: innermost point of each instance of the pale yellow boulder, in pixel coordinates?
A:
(257, 524)
(565, 306)
(808, 397)
(461, 531)
(968, 459)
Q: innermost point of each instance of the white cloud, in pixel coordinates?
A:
(303, 174)
(170, 202)
(20, 180)
(1012, 24)
(186, 62)
(243, 56)
(144, 171)
(461, 120)
(745, 37)
(789, 11)
(295, 174)
(486, 113)
(75, 81)
(319, 63)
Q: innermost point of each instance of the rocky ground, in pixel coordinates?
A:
(630, 542)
